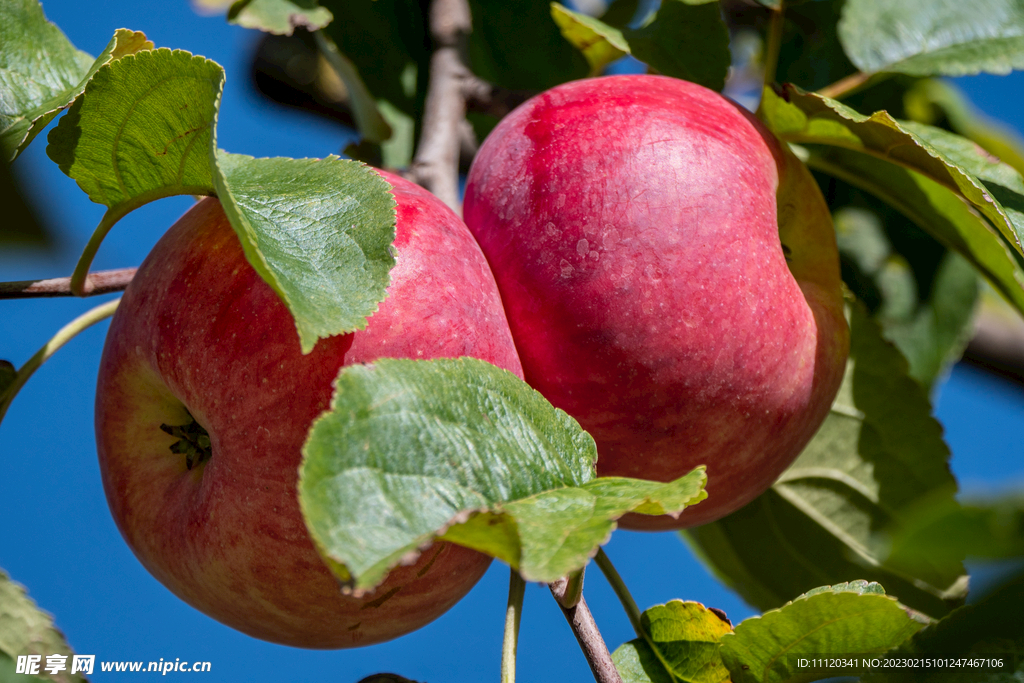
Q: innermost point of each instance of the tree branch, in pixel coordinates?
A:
(436, 164)
(101, 282)
(589, 637)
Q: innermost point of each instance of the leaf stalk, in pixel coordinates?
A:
(604, 563)
(63, 336)
(513, 617)
(845, 85)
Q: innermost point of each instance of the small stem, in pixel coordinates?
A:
(101, 282)
(587, 635)
(774, 44)
(89, 253)
(66, 334)
(845, 85)
(574, 589)
(604, 563)
(116, 213)
(513, 615)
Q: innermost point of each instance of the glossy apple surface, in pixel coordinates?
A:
(671, 278)
(199, 333)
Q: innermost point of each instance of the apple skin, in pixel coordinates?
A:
(199, 330)
(633, 224)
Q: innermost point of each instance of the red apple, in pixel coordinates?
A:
(670, 274)
(200, 335)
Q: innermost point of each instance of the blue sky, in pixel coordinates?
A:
(59, 540)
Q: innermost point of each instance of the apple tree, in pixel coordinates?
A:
(854, 554)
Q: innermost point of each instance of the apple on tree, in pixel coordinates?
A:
(671, 277)
(205, 400)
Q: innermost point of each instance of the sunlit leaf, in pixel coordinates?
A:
(682, 644)
(600, 43)
(41, 72)
(799, 117)
(928, 38)
(143, 130)
(830, 622)
(412, 451)
(319, 231)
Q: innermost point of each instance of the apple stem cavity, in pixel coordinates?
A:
(193, 442)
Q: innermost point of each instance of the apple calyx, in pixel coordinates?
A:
(193, 442)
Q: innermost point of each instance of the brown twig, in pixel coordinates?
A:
(100, 282)
(589, 637)
(436, 164)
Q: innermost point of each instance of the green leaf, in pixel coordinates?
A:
(600, 43)
(927, 38)
(834, 621)
(682, 644)
(799, 117)
(280, 17)
(990, 628)
(534, 59)
(412, 451)
(27, 630)
(369, 120)
(935, 209)
(41, 72)
(987, 529)
(142, 130)
(685, 39)
(933, 336)
(1001, 179)
(810, 53)
(921, 294)
(939, 102)
(637, 662)
(319, 231)
(878, 452)
(399, 73)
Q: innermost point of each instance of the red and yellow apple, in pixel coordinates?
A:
(201, 347)
(670, 274)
